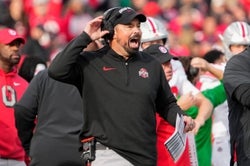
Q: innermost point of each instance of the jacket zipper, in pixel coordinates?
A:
(126, 74)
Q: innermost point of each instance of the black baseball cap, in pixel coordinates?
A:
(124, 15)
(160, 52)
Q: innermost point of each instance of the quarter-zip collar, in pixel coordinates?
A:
(119, 57)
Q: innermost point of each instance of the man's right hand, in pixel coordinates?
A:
(93, 28)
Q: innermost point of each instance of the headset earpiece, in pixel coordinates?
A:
(107, 23)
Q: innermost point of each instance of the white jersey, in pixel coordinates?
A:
(180, 85)
(180, 81)
(220, 127)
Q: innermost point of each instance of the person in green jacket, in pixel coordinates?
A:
(203, 138)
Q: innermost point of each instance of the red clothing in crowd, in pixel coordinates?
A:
(12, 88)
(164, 131)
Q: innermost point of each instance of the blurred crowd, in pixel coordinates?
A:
(194, 26)
(194, 29)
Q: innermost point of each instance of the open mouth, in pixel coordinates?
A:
(134, 42)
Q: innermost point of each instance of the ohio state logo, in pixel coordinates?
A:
(163, 49)
(143, 73)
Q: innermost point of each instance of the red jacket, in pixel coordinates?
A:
(164, 131)
(12, 87)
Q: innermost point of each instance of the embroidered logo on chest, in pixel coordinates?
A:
(105, 68)
(143, 73)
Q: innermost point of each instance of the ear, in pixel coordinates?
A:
(114, 32)
(143, 46)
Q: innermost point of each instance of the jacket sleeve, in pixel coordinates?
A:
(166, 103)
(216, 95)
(25, 123)
(64, 67)
(26, 110)
(242, 94)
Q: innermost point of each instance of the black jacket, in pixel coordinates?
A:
(237, 86)
(121, 97)
(58, 108)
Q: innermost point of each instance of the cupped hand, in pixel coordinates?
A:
(93, 28)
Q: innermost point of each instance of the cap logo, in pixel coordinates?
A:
(163, 49)
(12, 32)
(128, 9)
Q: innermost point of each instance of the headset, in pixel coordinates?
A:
(108, 20)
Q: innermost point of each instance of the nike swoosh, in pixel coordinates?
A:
(16, 84)
(104, 68)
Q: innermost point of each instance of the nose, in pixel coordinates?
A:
(137, 30)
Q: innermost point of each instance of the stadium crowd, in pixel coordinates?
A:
(194, 29)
